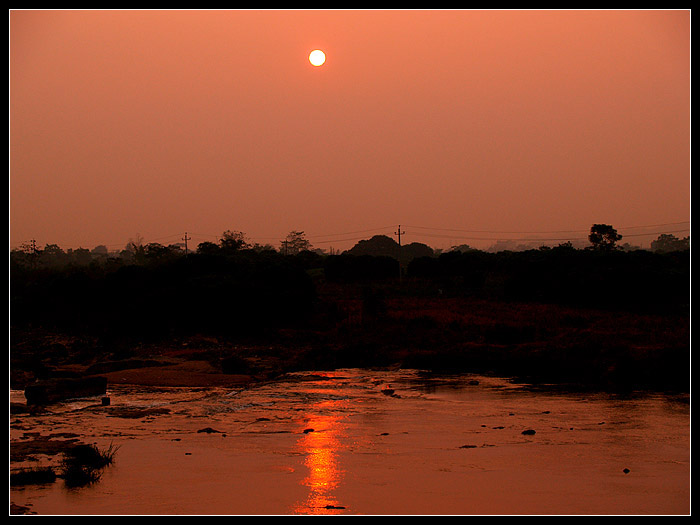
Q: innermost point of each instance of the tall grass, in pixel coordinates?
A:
(83, 464)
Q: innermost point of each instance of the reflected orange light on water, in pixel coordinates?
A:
(321, 447)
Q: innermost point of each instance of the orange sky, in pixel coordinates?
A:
(153, 123)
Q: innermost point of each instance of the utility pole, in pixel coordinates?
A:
(186, 238)
(32, 260)
(399, 233)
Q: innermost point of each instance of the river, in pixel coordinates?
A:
(375, 443)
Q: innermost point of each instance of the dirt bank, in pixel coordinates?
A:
(535, 342)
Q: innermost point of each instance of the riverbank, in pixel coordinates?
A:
(588, 348)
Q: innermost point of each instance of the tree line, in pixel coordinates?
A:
(235, 287)
(602, 237)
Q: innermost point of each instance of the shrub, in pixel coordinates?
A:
(83, 464)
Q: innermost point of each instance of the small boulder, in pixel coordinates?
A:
(208, 430)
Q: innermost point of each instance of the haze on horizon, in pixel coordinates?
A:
(494, 123)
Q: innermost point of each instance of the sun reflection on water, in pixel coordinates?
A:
(321, 443)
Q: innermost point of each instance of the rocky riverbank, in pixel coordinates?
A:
(537, 343)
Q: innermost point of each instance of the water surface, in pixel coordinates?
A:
(374, 442)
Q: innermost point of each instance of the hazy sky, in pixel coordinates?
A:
(153, 123)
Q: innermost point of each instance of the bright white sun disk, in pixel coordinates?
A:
(317, 57)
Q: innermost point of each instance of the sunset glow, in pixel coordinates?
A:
(153, 123)
(321, 447)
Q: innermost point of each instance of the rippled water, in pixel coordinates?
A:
(371, 442)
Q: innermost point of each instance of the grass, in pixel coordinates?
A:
(83, 464)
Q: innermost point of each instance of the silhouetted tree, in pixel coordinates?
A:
(461, 248)
(134, 244)
(157, 252)
(309, 259)
(80, 256)
(207, 248)
(627, 247)
(377, 246)
(262, 247)
(52, 255)
(233, 240)
(23, 256)
(603, 237)
(414, 250)
(134, 250)
(667, 242)
(294, 243)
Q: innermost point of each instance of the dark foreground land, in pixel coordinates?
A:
(614, 321)
(617, 322)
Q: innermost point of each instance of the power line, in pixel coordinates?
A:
(441, 236)
(143, 240)
(350, 233)
(339, 240)
(166, 237)
(254, 238)
(656, 233)
(543, 231)
(324, 239)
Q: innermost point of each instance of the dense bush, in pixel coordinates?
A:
(247, 291)
(241, 292)
(637, 279)
(358, 268)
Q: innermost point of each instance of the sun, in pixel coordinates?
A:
(317, 57)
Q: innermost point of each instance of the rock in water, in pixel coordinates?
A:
(47, 391)
(209, 430)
